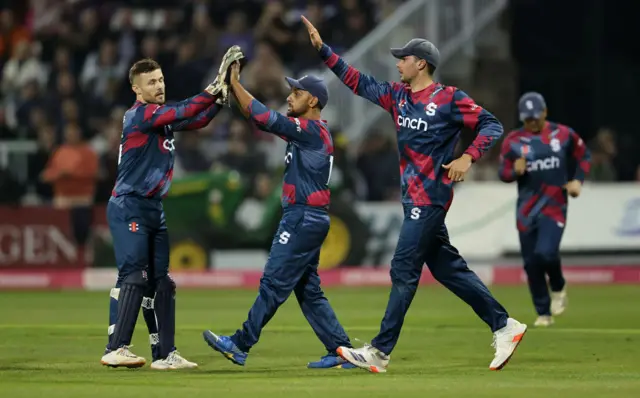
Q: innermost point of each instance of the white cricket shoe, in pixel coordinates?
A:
(367, 357)
(543, 321)
(505, 341)
(173, 361)
(559, 301)
(123, 357)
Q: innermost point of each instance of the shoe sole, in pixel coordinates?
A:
(370, 368)
(210, 340)
(128, 365)
(171, 368)
(344, 366)
(518, 338)
(559, 312)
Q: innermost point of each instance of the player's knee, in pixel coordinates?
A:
(439, 274)
(404, 279)
(135, 277)
(547, 256)
(530, 263)
(307, 293)
(165, 284)
(274, 291)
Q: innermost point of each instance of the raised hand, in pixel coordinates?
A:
(314, 36)
(235, 72)
(220, 85)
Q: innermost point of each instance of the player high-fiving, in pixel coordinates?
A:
(136, 216)
(428, 117)
(293, 261)
(314, 36)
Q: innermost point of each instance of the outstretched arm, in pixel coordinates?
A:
(194, 112)
(198, 121)
(154, 115)
(289, 129)
(363, 85)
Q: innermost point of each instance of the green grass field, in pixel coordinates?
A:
(52, 342)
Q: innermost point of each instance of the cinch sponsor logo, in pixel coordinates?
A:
(549, 163)
(416, 124)
(169, 145)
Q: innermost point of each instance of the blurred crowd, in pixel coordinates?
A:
(64, 86)
(64, 80)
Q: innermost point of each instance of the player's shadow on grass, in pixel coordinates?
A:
(284, 373)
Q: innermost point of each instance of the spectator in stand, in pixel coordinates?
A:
(75, 76)
(73, 172)
(23, 67)
(100, 67)
(604, 149)
(378, 164)
(265, 73)
(203, 33)
(237, 33)
(38, 161)
(62, 63)
(272, 28)
(11, 34)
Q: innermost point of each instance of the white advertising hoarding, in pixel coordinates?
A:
(481, 220)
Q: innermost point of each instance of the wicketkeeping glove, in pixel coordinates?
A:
(220, 85)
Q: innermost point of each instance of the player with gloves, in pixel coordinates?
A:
(136, 216)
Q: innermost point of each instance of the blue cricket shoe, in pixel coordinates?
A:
(331, 361)
(226, 347)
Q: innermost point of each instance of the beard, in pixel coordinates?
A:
(154, 99)
(293, 113)
(535, 126)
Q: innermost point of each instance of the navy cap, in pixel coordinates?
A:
(313, 85)
(420, 48)
(531, 105)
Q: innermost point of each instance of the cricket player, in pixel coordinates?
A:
(295, 251)
(549, 161)
(428, 119)
(136, 217)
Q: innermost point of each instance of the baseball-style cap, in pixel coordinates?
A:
(420, 48)
(531, 105)
(313, 85)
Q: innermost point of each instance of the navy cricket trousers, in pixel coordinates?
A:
(540, 247)
(424, 239)
(140, 238)
(293, 267)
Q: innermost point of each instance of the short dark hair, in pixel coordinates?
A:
(431, 69)
(143, 66)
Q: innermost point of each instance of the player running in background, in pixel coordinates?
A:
(136, 217)
(295, 251)
(428, 118)
(549, 161)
